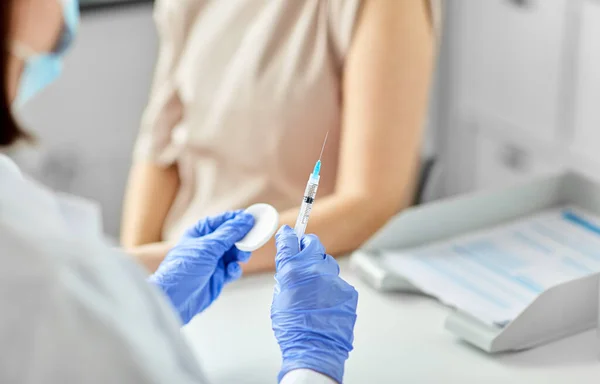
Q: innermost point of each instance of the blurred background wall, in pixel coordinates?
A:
(521, 91)
(86, 122)
(517, 94)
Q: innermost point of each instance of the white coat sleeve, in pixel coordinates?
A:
(76, 311)
(306, 376)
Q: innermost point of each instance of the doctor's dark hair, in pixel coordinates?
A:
(9, 129)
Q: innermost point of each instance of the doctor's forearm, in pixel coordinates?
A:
(342, 223)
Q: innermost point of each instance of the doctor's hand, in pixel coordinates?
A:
(195, 271)
(314, 310)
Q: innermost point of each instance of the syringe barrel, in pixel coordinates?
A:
(307, 201)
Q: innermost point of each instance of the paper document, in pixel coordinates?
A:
(496, 273)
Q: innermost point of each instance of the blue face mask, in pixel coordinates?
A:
(43, 69)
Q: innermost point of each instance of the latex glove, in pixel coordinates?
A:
(195, 271)
(314, 310)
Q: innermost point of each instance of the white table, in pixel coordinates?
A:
(399, 338)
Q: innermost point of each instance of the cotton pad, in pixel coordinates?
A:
(266, 222)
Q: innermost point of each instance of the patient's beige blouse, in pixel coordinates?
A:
(243, 95)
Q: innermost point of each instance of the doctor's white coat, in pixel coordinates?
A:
(74, 310)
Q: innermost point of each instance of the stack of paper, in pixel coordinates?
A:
(495, 274)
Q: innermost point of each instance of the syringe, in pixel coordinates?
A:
(309, 197)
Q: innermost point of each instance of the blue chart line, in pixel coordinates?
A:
(576, 265)
(560, 239)
(531, 242)
(464, 283)
(491, 266)
(487, 247)
(476, 271)
(581, 222)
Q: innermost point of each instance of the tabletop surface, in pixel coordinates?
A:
(399, 338)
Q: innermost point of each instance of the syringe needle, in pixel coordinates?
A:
(309, 197)
(323, 147)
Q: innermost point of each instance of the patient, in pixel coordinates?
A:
(243, 95)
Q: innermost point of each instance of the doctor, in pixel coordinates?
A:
(76, 311)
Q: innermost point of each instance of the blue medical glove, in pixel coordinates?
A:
(195, 271)
(314, 310)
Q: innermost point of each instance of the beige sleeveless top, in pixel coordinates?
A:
(243, 95)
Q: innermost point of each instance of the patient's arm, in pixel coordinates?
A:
(385, 93)
(151, 255)
(386, 82)
(150, 193)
